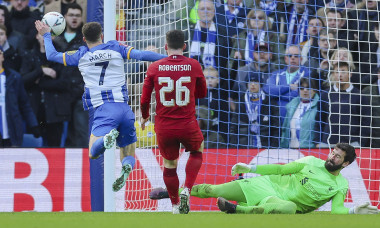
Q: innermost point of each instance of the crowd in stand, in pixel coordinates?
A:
(280, 73)
(288, 74)
(38, 96)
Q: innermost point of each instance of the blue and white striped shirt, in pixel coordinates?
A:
(102, 68)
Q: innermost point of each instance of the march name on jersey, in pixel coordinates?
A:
(176, 80)
(102, 68)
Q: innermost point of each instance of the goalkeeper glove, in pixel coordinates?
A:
(364, 209)
(243, 168)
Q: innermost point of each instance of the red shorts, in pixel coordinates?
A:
(169, 140)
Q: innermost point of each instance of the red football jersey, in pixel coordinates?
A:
(178, 81)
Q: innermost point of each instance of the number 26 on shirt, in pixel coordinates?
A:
(179, 90)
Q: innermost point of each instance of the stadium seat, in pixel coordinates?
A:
(30, 142)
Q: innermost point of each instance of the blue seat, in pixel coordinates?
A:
(30, 142)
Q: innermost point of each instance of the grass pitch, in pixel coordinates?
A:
(194, 220)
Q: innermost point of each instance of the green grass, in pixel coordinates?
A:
(194, 220)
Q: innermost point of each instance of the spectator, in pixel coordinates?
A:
(135, 81)
(318, 62)
(54, 106)
(342, 116)
(298, 127)
(22, 20)
(372, 57)
(12, 57)
(372, 92)
(15, 108)
(357, 79)
(211, 138)
(336, 23)
(121, 28)
(313, 29)
(59, 6)
(262, 56)
(15, 39)
(341, 6)
(232, 15)
(283, 84)
(72, 39)
(208, 41)
(297, 20)
(216, 102)
(258, 31)
(132, 12)
(361, 22)
(256, 121)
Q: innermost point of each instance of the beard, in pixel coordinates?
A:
(331, 166)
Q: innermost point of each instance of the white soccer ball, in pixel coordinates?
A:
(55, 21)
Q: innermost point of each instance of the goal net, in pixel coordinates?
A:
(286, 79)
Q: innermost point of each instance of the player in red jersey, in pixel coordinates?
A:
(178, 81)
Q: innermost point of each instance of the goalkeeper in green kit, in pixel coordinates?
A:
(297, 187)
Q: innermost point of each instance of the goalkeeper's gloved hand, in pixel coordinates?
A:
(364, 209)
(242, 168)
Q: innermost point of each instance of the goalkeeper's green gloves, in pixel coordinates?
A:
(243, 168)
(364, 209)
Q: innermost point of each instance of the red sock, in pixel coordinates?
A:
(172, 184)
(192, 168)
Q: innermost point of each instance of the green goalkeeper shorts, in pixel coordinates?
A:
(257, 189)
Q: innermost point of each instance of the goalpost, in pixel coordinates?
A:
(144, 26)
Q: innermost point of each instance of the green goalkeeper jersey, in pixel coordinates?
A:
(307, 183)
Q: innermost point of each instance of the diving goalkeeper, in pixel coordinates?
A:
(297, 187)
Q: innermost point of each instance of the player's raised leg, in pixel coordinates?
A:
(127, 142)
(127, 158)
(99, 144)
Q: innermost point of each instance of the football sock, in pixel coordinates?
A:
(249, 210)
(192, 168)
(271, 205)
(129, 160)
(229, 191)
(269, 208)
(172, 184)
(98, 148)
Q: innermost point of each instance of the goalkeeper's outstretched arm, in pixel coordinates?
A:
(292, 167)
(337, 206)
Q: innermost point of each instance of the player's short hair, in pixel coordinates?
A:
(92, 31)
(350, 151)
(175, 39)
(73, 6)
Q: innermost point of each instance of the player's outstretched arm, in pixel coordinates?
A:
(292, 167)
(146, 55)
(337, 206)
(51, 53)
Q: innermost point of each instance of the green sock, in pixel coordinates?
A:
(201, 191)
(249, 209)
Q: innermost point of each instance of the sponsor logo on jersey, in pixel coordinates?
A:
(71, 52)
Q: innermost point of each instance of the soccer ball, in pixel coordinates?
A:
(55, 21)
